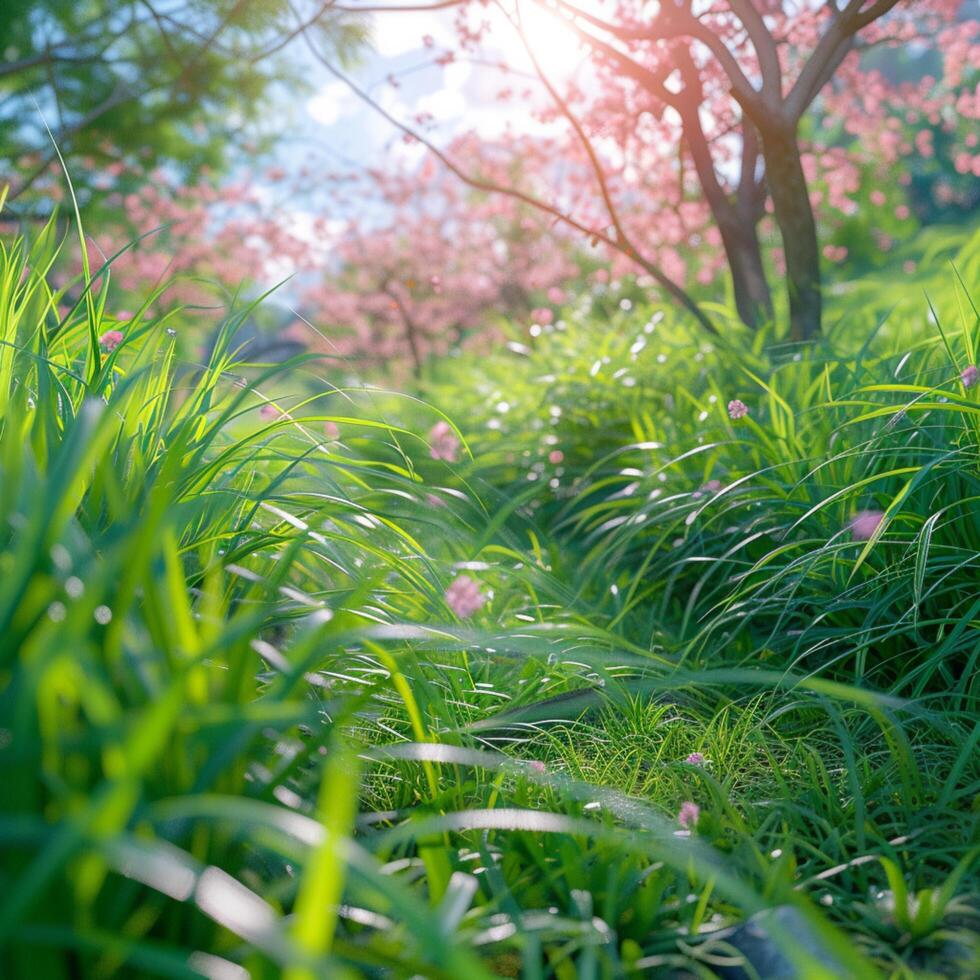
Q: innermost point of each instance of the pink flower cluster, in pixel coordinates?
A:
(443, 442)
(737, 409)
(464, 597)
(689, 815)
(864, 524)
(711, 486)
(110, 340)
(269, 412)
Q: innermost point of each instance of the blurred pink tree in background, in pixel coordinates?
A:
(692, 139)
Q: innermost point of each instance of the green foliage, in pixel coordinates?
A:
(146, 84)
(241, 730)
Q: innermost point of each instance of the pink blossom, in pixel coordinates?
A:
(269, 411)
(695, 759)
(443, 442)
(864, 524)
(542, 315)
(689, 815)
(737, 409)
(712, 486)
(110, 340)
(537, 766)
(556, 456)
(331, 429)
(464, 596)
(969, 375)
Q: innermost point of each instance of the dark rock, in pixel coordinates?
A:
(763, 957)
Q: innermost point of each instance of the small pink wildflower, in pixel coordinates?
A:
(464, 596)
(689, 815)
(712, 486)
(124, 315)
(443, 443)
(537, 766)
(110, 340)
(969, 376)
(269, 411)
(542, 315)
(331, 429)
(556, 456)
(695, 759)
(864, 523)
(737, 409)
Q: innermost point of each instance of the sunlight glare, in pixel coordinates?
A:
(555, 44)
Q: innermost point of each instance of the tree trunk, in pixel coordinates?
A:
(797, 227)
(753, 299)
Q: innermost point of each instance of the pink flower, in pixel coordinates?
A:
(110, 340)
(556, 456)
(695, 759)
(689, 815)
(331, 429)
(443, 443)
(269, 411)
(712, 486)
(537, 766)
(124, 315)
(969, 375)
(864, 523)
(737, 409)
(464, 596)
(542, 315)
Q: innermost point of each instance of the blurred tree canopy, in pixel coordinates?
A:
(146, 83)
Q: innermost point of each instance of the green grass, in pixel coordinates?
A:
(244, 735)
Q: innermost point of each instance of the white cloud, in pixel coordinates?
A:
(395, 34)
(443, 104)
(331, 103)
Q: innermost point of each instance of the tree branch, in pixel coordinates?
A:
(830, 51)
(669, 286)
(566, 111)
(397, 8)
(764, 44)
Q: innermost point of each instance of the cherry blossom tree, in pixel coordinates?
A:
(696, 138)
(442, 264)
(699, 109)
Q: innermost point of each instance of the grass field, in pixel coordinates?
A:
(706, 668)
